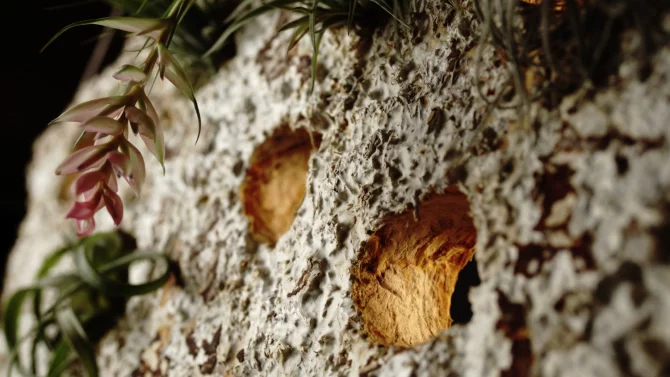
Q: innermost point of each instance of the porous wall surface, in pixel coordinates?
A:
(570, 212)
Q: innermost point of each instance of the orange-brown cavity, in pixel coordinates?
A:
(406, 274)
(275, 183)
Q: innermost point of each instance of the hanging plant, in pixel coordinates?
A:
(103, 152)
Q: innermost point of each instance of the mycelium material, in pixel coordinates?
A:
(570, 212)
(275, 183)
(406, 274)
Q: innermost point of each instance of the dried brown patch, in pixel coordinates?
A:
(404, 279)
(275, 183)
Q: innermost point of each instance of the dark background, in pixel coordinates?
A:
(37, 87)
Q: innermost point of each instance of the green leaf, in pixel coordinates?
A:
(177, 76)
(141, 7)
(12, 313)
(83, 111)
(61, 359)
(352, 12)
(150, 27)
(49, 263)
(243, 19)
(295, 23)
(238, 10)
(83, 159)
(297, 35)
(145, 104)
(315, 44)
(137, 168)
(81, 312)
(104, 125)
(12, 310)
(97, 279)
(85, 139)
(301, 10)
(382, 4)
(130, 73)
(151, 133)
(76, 338)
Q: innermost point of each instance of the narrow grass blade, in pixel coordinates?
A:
(295, 23)
(382, 4)
(76, 338)
(297, 35)
(60, 360)
(150, 26)
(12, 309)
(241, 20)
(177, 76)
(315, 43)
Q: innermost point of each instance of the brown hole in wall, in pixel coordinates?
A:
(403, 282)
(274, 186)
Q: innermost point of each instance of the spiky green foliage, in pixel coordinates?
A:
(555, 46)
(197, 32)
(104, 152)
(84, 303)
(314, 17)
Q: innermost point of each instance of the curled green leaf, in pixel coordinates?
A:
(95, 278)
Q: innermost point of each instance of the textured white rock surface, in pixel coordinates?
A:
(571, 216)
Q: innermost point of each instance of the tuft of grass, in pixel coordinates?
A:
(553, 47)
(314, 17)
(85, 303)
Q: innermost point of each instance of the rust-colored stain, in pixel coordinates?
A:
(407, 272)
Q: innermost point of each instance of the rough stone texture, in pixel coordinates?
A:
(571, 215)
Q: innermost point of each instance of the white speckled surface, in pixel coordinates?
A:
(565, 236)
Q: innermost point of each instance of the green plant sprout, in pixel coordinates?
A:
(103, 152)
(86, 303)
(314, 18)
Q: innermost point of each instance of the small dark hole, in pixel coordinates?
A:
(461, 309)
